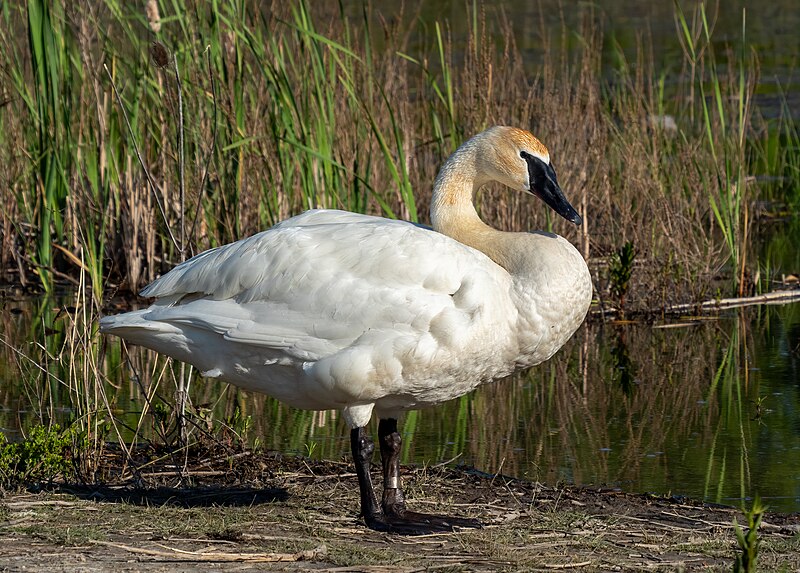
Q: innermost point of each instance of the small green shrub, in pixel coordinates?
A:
(46, 453)
(620, 269)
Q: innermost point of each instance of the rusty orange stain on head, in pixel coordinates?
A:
(507, 142)
(526, 140)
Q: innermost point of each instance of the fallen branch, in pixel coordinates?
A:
(774, 298)
(174, 553)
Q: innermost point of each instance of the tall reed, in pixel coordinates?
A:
(286, 109)
(726, 128)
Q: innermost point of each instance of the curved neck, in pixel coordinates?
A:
(453, 205)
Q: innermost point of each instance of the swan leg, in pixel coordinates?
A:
(391, 514)
(362, 447)
(393, 503)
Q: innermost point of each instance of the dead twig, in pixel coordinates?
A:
(203, 180)
(180, 554)
(566, 565)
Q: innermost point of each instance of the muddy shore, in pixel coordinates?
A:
(263, 512)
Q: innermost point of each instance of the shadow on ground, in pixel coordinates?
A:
(216, 496)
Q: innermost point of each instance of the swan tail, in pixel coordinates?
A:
(135, 328)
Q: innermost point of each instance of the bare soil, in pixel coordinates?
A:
(263, 512)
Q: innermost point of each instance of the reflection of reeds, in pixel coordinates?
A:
(681, 414)
(563, 416)
(297, 109)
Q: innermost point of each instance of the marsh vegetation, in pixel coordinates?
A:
(132, 139)
(243, 115)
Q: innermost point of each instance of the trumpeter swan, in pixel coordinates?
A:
(332, 309)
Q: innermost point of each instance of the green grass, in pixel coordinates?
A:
(257, 115)
(726, 127)
(749, 542)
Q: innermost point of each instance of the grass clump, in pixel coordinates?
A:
(45, 454)
(63, 534)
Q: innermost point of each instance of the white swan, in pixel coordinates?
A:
(332, 309)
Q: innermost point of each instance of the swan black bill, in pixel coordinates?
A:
(544, 185)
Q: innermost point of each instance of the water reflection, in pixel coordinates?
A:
(624, 369)
(708, 410)
(628, 25)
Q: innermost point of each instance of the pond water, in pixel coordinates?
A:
(705, 407)
(770, 29)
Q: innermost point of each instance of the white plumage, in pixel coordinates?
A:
(332, 309)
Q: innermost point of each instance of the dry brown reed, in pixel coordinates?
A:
(315, 109)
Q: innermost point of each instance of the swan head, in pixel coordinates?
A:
(517, 159)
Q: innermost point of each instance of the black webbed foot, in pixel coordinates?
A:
(414, 523)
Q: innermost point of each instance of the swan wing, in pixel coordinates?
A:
(317, 283)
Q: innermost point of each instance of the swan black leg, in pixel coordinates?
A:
(391, 515)
(393, 502)
(362, 447)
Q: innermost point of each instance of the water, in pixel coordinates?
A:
(771, 28)
(708, 411)
(626, 25)
(708, 408)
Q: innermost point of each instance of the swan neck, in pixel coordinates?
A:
(453, 202)
(453, 210)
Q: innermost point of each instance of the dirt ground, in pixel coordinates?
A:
(265, 512)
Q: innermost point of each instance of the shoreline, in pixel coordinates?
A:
(268, 511)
